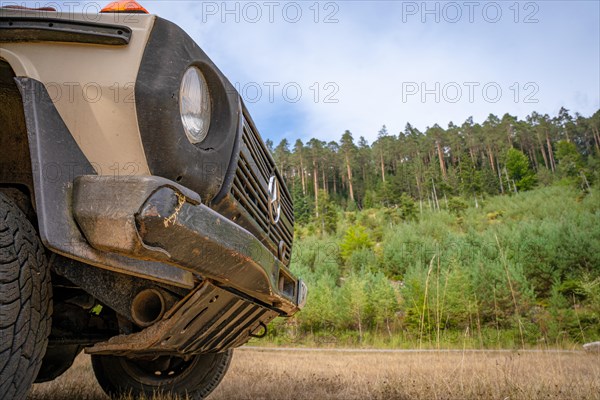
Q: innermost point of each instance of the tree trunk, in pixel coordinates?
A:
(302, 177)
(543, 153)
(349, 171)
(436, 202)
(584, 180)
(441, 157)
(550, 153)
(491, 157)
(324, 180)
(533, 158)
(499, 176)
(334, 182)
(596, 134)
(472, 154)
(507, 178)
(382, 166)
(316, 185)
(419, 186)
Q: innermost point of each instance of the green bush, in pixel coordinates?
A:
(528, 276)
(356, 238)
(519, 170)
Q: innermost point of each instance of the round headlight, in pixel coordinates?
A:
(194, 105)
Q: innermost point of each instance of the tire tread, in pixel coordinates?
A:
(25, 302)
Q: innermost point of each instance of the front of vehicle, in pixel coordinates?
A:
(152, 191)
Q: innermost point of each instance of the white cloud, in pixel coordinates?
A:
(370, 53)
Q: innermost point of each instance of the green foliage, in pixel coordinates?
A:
(328, 213)
(356, 238)
(370, 199)
(569, 160)
(592, 171)
(517, 271)
(457, 206)
(407, 207)
(352, 309)
(383, 302)
(470, 177)
(501, 155)
(362, 260)
(518, 169)
(302, 208)
(320, 312)
(545, 177)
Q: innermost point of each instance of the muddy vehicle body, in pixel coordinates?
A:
(142, 218)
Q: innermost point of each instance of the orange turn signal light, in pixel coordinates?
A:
(126, 6)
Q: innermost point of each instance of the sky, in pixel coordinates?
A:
(315, 69)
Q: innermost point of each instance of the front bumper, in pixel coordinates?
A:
(157, 230)
(151, 218)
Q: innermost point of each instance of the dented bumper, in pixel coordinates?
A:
(154, 219)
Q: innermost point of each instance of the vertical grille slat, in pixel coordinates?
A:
(259, 157)
(253, 188)
(261, 219)
(250, 191)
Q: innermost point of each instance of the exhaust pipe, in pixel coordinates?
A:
(149, 306)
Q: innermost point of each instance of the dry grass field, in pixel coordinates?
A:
(267, 374)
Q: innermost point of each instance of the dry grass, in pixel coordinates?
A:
(265, 374)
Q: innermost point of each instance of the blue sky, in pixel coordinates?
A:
(314, 69)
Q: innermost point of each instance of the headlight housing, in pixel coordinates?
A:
(194, 105)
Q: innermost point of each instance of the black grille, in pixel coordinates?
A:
(250, 191)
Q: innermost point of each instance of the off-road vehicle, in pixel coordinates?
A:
(142, 218)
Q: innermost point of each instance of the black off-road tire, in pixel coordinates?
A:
(25, 302)
(121, 376)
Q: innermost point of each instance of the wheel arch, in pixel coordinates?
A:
(16, 179)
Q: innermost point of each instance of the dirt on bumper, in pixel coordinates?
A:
(154, 219)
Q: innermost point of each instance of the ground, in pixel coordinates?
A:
(320, 374)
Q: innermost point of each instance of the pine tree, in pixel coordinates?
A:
(519, 171)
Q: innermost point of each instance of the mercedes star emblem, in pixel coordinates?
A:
(274, 200)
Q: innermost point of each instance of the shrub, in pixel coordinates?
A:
(356, 238)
